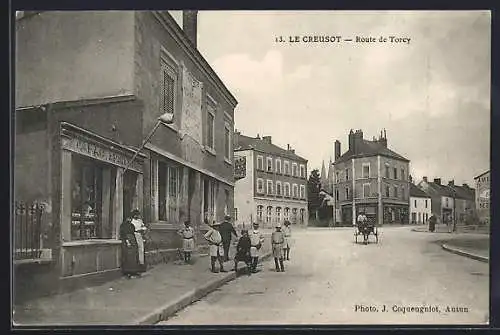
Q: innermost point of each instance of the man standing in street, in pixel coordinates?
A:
(226, 231)
(256, 241)
(215, 241)
(277, 241)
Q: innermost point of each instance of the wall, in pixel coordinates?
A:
(244, 189)
(420, 208)
(151, 36)
(482, 197)
(73, 55)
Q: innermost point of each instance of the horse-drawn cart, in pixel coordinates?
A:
(364, 230)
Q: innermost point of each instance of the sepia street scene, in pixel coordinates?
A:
(201, 167)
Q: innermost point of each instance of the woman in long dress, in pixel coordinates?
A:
(131, 234)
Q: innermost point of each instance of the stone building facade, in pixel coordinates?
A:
(370, 177)
(275, 186)
(89, 88)
(482, 197)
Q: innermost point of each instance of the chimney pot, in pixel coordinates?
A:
(190, 25)
(437, 181)
(451, 183)
(337, 149)
(425, 179)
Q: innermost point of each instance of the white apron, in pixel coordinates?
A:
(215, 241)
(187, 239)
(139, 228)
(255, 239)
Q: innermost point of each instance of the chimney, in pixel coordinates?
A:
(258, 137)
(288, 147)
(437, 181)
(355, 138)
(337, 149)
(267, 139)
(236, 138)
(451, 183)
(190, 25)
(410, 178)
(425, 179)
(465, 185)
(351, 141)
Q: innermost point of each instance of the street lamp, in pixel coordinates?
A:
(166, 118)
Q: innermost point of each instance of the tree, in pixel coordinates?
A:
(313, 196)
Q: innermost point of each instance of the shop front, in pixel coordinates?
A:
(97, 194)
(396, 214)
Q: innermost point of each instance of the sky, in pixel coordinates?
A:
(432, 95)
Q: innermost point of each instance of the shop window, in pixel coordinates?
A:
(294, 215)
(269, 214)
(301, 218)
(87, 202)
(278, 214)
(286, 213)
(168, 192)
(209, 198)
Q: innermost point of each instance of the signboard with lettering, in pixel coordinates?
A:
(191, 121)
(240, 167)
(99, 152)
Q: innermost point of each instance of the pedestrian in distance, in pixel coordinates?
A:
(214, 239)
(277, 242)
(227, 230)
(287, 231)
(432, 223)
(132, 232)
(187, 234)
(256, 239)
(243, 252)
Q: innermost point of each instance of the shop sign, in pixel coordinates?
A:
(99, 152)
(240, 167)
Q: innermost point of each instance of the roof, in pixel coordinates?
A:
(461, 192)
(261, 145)
(366, 148)
(482, 174)
(417, 192)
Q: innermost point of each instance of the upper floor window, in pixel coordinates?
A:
(302, 191)
(294, 170)
(286, 168)
(210, 125)
(227, 141)
(169, 79)
(302, 171)
(395, 191)
(366, 190)
(395, 173)
(287, 189)
(402, 174)
(347, 193)
(387, 191)
(416, 203)
(260, 163)
(269, 164)
(278, 188)
(260, 185)
(366, 170)
(278, 165)
(336, 177)
(295, 191)
(269, 186)
(425, 203)
(387, 169)
(346, 174)
(337, 194)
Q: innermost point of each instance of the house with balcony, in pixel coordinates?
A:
(274, 186)
(372, 178)
(90, 86)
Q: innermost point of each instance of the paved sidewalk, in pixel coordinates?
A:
(160, 292)
(477, 248)
(440, 228)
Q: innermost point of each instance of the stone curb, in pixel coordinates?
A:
(465, 253)
(187, 299)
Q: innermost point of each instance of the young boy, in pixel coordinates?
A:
(277, 241)
(243, 252)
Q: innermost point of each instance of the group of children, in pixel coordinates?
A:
(247, 249)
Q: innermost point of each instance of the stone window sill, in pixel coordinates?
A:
(210, 150)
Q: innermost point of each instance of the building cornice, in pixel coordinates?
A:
(182, 40)
(81, 102)
(370, 155)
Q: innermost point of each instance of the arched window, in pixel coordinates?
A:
(269, 214)
(278, 214)
(260, 208)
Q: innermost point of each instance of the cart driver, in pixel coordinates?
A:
(362, 220)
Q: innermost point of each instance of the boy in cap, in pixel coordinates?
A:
(277, 241)
(256, 240)
(215, 241)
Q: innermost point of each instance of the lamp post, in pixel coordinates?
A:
(166, 118)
